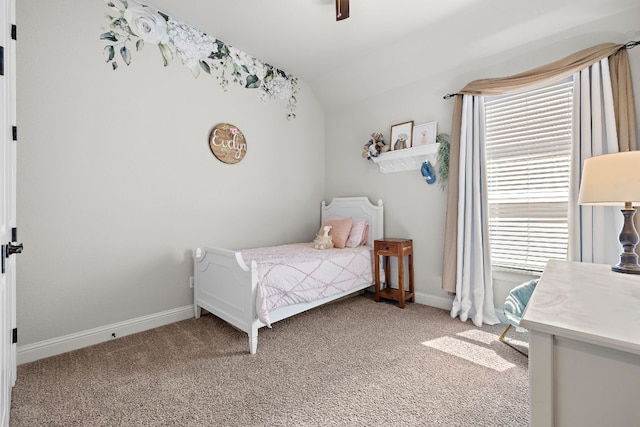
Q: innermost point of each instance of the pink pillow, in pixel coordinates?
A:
(340, 228)
(358, 234)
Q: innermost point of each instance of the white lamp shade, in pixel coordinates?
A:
(611, 179)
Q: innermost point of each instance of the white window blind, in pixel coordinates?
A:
(528, 148)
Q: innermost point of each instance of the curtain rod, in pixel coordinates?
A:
(628, 45)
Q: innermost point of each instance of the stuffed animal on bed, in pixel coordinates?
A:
(323, 241)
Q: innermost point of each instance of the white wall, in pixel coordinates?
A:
(413, 208)
(117, 184)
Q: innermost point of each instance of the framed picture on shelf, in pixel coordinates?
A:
(401, 135)
(425, 134)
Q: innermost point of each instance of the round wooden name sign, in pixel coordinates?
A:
(227, 143)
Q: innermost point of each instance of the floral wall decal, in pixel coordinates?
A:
(135, 24)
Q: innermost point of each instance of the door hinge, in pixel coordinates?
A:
(14, 336)
(1, 60)
(15, 133)
(14, 31)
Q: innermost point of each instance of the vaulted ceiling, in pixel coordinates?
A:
(386, 43)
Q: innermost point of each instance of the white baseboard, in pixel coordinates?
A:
(434, 301)
(446, 304)
(32, 352)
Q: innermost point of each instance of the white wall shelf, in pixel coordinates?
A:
(407, 159)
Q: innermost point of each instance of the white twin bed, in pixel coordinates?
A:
(256, 287)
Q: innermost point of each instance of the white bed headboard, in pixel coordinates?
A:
(357, 207)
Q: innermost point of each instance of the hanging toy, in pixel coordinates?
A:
(428, 173)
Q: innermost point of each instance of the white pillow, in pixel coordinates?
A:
(358, 234)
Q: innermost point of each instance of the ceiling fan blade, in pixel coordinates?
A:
(342, 9)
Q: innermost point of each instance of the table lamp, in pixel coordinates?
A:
(614, 180)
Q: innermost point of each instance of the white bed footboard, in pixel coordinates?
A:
(227, 288)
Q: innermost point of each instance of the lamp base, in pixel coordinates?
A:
(626, 268)
(629, 239)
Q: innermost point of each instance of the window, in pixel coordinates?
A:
(528, 147)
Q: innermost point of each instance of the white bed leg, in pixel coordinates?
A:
(197, 311)
(253, 340)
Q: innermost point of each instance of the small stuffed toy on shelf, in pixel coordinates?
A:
(375, 146)
(323, 241)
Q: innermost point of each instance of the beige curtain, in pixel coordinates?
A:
(538, 77)
(622, 87)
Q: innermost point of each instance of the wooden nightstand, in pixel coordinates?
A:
(399, 248)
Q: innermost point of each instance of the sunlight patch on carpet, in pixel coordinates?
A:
(472, 352)
(478, 335)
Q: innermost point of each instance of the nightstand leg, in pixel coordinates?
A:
(411, 288)
(401, 280)
(376, 274)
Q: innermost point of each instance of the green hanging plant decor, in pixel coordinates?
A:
(443, 158)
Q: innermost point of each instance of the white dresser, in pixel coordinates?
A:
(584, 353)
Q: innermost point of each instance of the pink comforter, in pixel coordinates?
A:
(296, 273)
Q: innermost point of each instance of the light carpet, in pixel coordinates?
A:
(354, 362)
